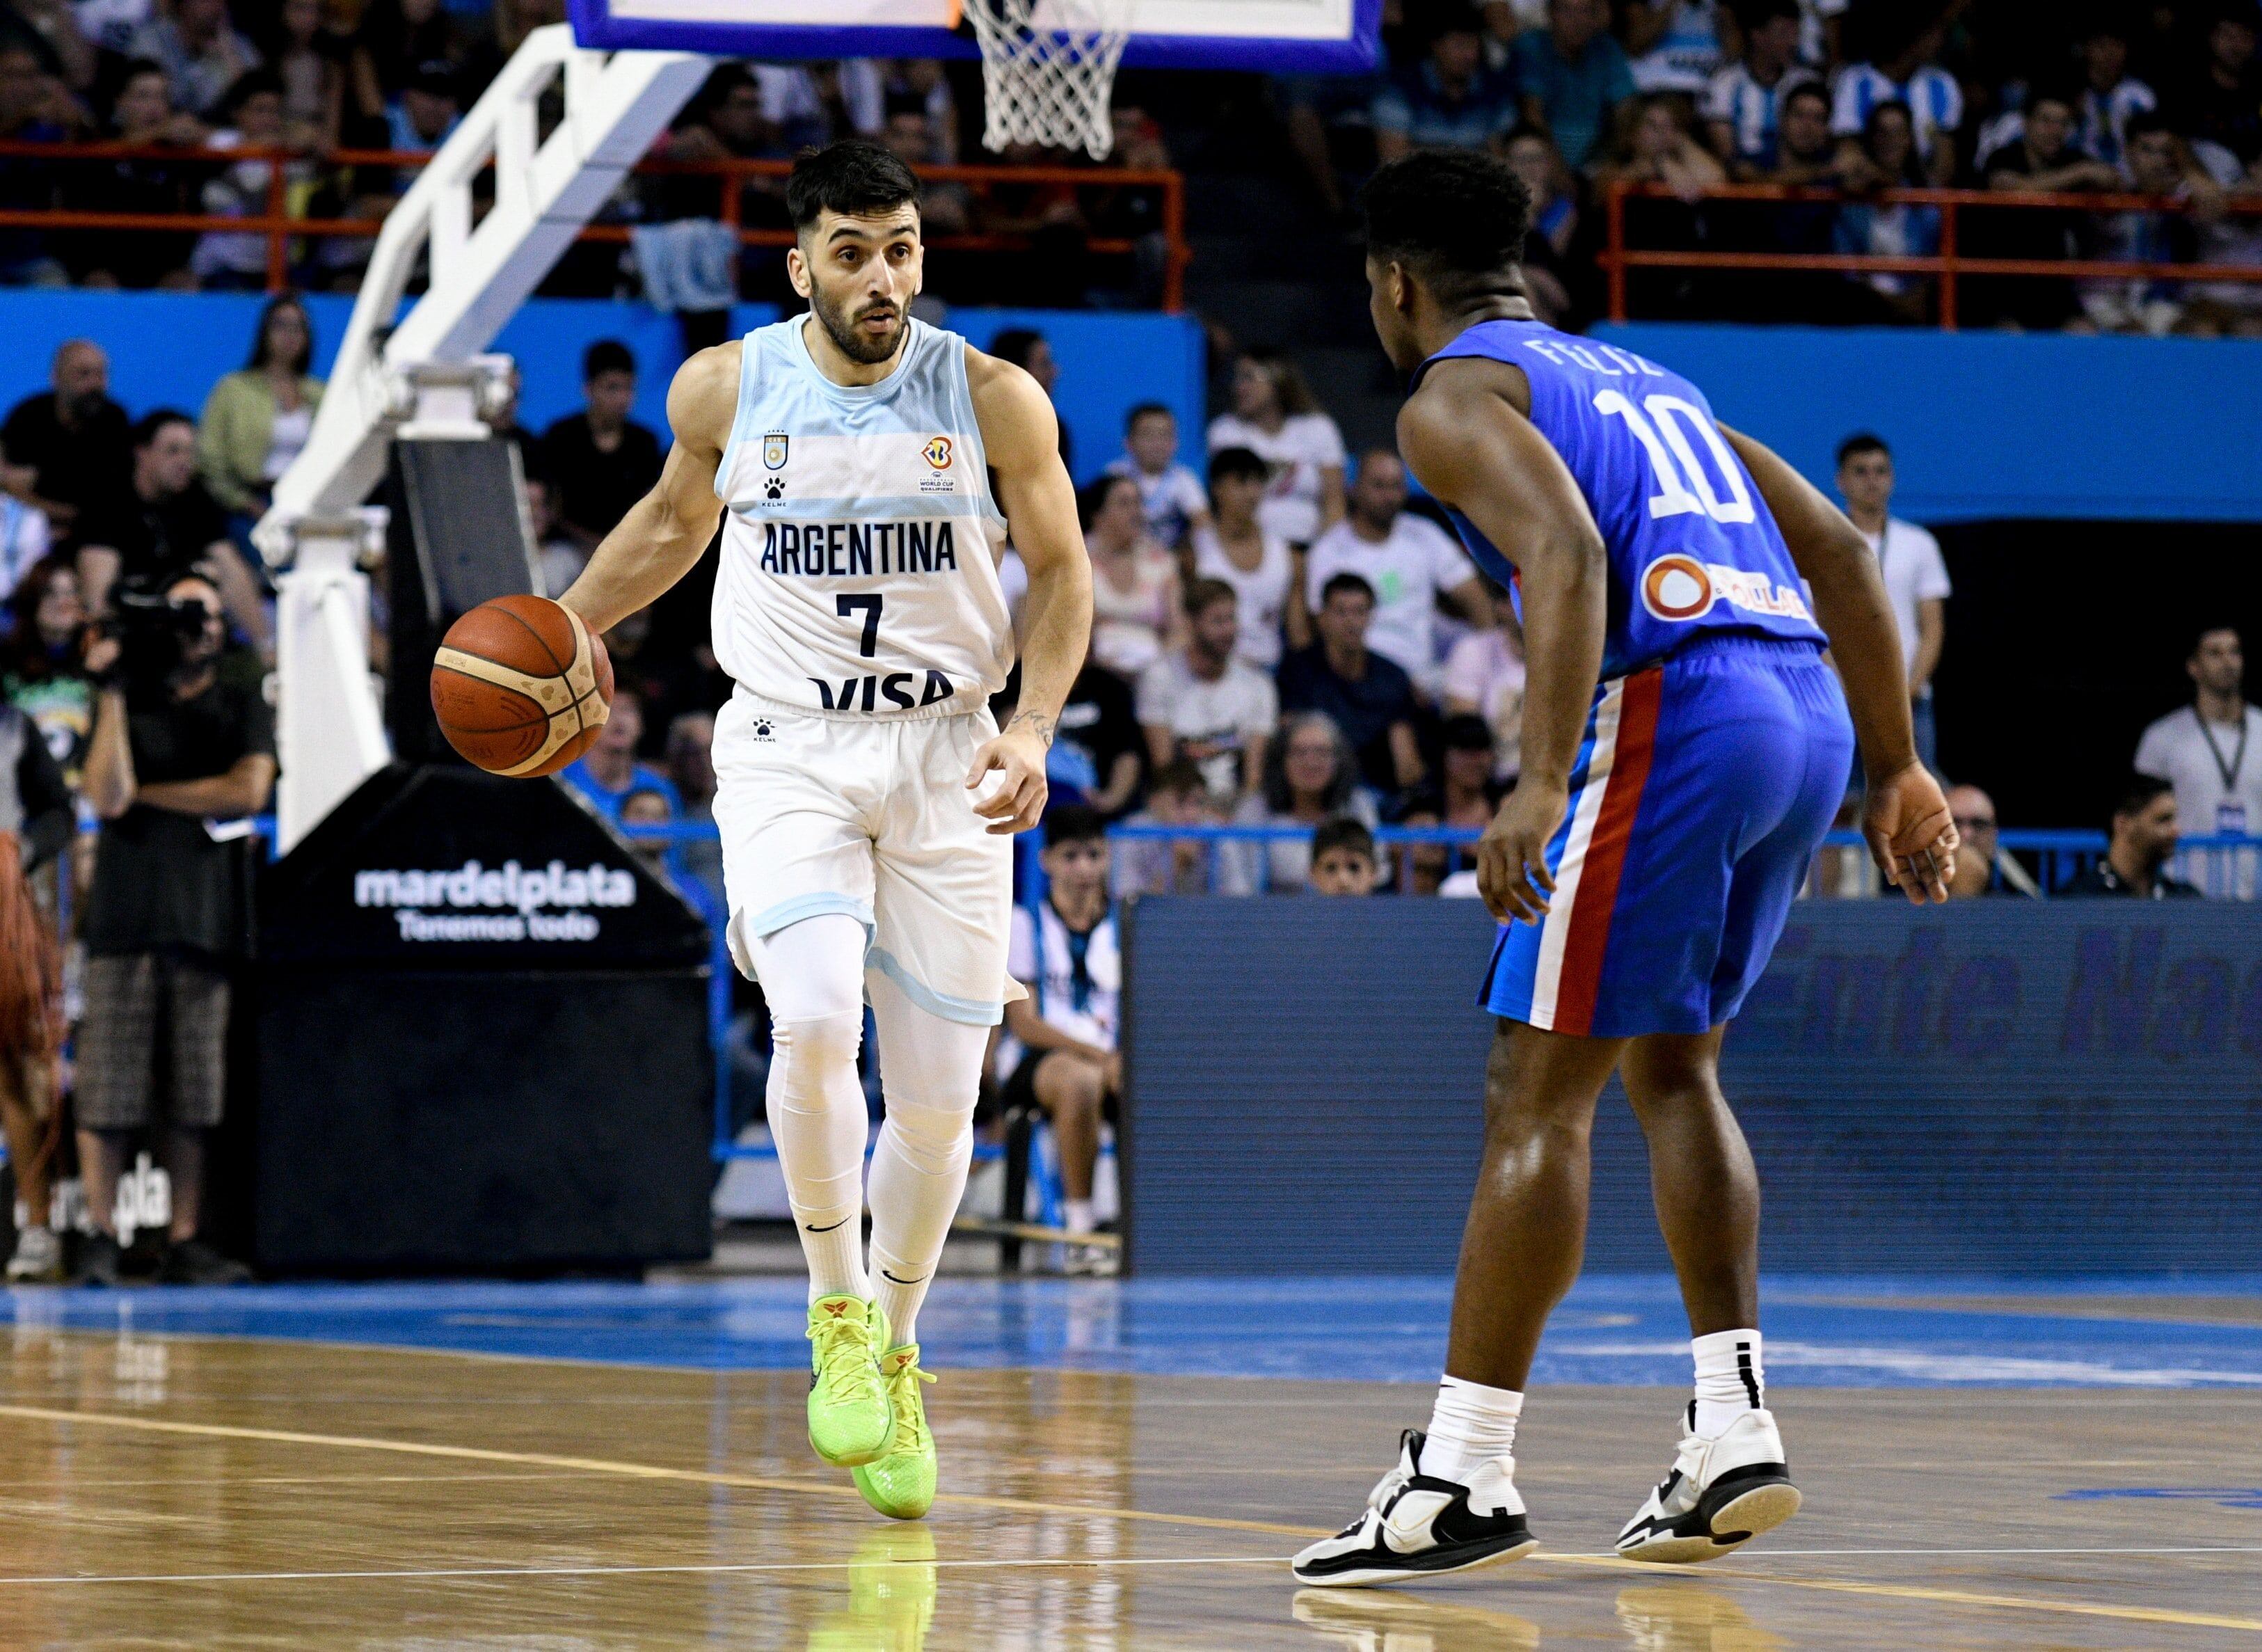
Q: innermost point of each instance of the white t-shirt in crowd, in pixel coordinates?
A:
(1298, 451)
(1263, 592)
(2217, 769)
(1171, 499)
(24, 540)
(1687, 54)
(1240, 706)
(1909, 559)
(1041, 953)
(1407, 570)
(1484, 670)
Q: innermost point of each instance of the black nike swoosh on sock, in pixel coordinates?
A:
(827, 1228)
(893, 1280)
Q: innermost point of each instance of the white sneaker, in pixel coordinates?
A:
(1415, 1526)
(39, 1258)
(1722, 1493)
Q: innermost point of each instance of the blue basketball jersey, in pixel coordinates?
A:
(1693, 550)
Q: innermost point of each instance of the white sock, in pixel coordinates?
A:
(1729, 1380)
(1470, 1425)
(1075, 1215)
(931, 1070)
(812, 975)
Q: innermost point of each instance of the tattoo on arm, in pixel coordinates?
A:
(1037, 722)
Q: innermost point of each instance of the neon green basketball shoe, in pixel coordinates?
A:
(900, 1482)
(850, 1418)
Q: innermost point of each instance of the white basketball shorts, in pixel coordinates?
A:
(870, 817)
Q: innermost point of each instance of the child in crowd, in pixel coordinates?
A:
(1170, 494)
(1179, 796)
(1343, 858)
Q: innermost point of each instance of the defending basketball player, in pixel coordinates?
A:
(1685, 744)
(867, 468)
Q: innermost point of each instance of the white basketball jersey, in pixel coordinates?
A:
(859, 571)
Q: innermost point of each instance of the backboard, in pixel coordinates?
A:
(1274, 36)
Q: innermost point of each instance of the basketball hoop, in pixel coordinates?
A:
(1048, 67)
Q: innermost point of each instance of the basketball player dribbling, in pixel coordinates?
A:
(1686, 743)
(867, 468)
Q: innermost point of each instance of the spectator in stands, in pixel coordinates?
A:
(2110, 97)
(1800, 154)
(1170, 494)
(1067, 954)
(1330, 127)
(1980, 856)
(1450, 100)
(609, 772)
(1659, 145)
(395, 39)
(1097, 744)
(164, 525)
(201, 52)
(2156, 163)
(1032, 352)
(178, 745)
(1909, 560)
(910, 135)
(310, 61)
(1906, 70)
(1886, 158)
(1466, 795)
(1484, 678)
(2143, 837)
(1276, 418)
(921, 83)
(600, 461)
(428, 109)
(1677, 46)
(559, 560)
(36, 819)
(255, 422)
(1572, 76)
(2210, 751)
(25, 537)
(143, 115)
(54, 33)
(2043, 158)
(1560, 276)
(1179, 796)
(1406, 560)
(1344, 859)
(1311, 776)
(1743, 102)
(2220, 100)
(27, 256)
(1200, 702)
(691, 766)
(1236, 547)
(1135, 581)
(251, 118)
(43, 674)
(1370, 698)
(1803, 152)
(70, 444)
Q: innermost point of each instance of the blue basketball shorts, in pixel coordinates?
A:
(1702, 790)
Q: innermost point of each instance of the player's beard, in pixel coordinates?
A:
(848, 336)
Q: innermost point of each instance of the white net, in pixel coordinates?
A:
(1048, 67)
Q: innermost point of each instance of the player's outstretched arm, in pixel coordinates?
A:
(666, 530)
(1907, 818)
(1465, 433)
(1021, 435)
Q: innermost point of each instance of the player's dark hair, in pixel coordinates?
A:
(151, 425)
(1074, 823)
(1860, 442)
(1204, 595)
(1146, 410)
(1343, 832)
(1456, 218)
(1237, 461)
(2136, 793)
(852, 177)
(606, 356)
(1346, 582)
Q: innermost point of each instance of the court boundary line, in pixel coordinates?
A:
(711, 1477)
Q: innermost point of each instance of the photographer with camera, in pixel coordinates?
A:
(179, 751)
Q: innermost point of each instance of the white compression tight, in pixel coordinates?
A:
(812, 974)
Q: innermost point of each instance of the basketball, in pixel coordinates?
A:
(521, 686)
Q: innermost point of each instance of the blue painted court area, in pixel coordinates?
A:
(1615, 1329)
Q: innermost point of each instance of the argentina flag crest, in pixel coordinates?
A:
(773, 452)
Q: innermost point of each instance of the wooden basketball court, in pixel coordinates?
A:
(214, 1491)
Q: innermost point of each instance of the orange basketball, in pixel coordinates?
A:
(521, 686)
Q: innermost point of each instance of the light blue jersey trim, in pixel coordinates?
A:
(766, 923)
(967, 1011)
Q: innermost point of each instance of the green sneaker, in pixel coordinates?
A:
(900, 1482)
(850, 1420)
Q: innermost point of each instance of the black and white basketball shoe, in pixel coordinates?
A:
(1415, 1526)
(1722, 1493)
